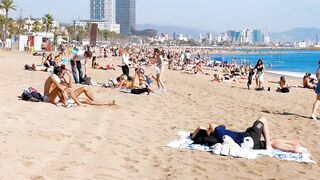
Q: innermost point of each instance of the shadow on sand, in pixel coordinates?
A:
(285, 114)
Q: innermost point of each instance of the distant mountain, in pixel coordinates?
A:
(296, 34)
(171, 29)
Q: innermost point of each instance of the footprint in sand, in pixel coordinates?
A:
(37, 177)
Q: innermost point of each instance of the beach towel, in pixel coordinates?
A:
(185, 142)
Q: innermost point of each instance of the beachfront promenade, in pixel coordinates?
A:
(42, 141)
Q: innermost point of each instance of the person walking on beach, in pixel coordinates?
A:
(259, 75)
(159, 69)
(316, 104)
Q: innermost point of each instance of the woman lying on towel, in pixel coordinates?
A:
(58, 88)
(214, 133)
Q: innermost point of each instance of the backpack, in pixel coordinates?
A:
(31, 94)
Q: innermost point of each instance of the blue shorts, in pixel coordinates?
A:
(318, 88)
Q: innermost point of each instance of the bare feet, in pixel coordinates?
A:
(299, 150)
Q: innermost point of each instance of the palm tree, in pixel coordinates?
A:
(28, 26)
(48, 22)
(12, 27)
(7, 5)
(36, 26)
(21, 23)
(2, 22)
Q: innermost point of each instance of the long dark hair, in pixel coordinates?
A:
(259, 62)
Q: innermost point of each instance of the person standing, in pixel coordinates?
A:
(44, 45)
(159, 69)
(259, 75)
(125, 63)
(76, 65)
(316, 104)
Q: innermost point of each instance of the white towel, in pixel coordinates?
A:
(185, 142)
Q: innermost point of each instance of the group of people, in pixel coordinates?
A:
(140, 82)
(58, 88)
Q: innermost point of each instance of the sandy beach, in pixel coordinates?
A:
(127, 141)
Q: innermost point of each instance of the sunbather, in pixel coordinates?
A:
(198, 68)
(284, 88)
(307, 82)
(58, 86)
(260, 127)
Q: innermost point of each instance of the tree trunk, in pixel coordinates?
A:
(6, 26)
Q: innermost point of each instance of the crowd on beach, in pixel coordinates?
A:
(187, 60)
(60, 85)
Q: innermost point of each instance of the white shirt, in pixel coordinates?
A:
(125, 59)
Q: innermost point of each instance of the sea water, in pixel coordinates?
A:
(294, 63)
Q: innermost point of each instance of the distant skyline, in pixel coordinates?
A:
(209, 15)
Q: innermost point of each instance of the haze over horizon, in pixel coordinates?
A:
(209, 15)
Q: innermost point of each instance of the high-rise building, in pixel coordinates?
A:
(257, 36)
(126, 15)
(102, 10)
(97, 9)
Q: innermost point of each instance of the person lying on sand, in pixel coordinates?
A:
(138, 84)
(217, 78)
(34, 67)
(107, 67)
(259, 127)
(58, 88)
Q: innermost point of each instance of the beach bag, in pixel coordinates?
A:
(31, 94)
(86, 80)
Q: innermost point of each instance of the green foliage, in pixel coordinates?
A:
(20, 25)
(7, 5)
(77, 33)
(47, 21)
(36, 26)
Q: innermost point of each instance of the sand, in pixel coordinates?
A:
(42, 141)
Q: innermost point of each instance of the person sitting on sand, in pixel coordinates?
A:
(259, 127)
(44, 61)
(306, 82)
(284, 88)
(49, 60)
(58, 59)
(58, 88)
(199, 68)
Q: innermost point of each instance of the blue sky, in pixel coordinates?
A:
(211, 15)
